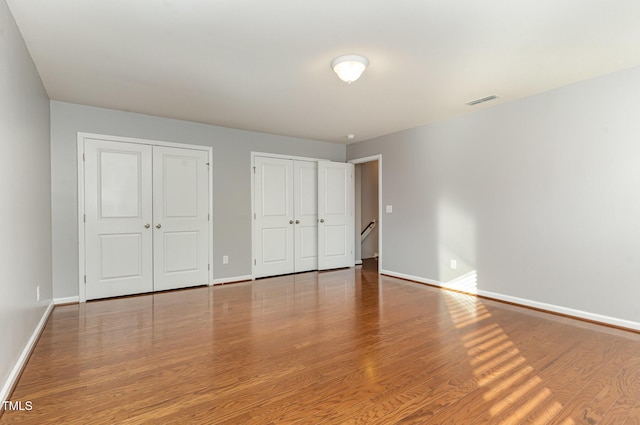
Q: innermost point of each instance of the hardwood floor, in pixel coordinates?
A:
(339, 347)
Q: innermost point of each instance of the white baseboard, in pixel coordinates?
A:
(586, 315)
(410, 277)
(66, 300)
(24, 356)
(232, 279)
(594, 317)
(358, 262)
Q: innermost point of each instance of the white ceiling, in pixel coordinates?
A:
(264, 65)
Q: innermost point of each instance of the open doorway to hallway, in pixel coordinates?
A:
(368, 201)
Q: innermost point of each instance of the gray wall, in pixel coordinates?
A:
(25, 212)
(231, 179)
(369, 207)
(541, 197)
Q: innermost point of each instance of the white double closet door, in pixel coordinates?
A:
(146, 218)
(303, 216)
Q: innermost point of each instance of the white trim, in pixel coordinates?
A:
(210, 216)
(12, 380)
(232, 279)
(378, 158)
(581, 314)
(358, 263)
(140, 141)
(371, 158)
(252, 177)
(410, 277)
(275, 155)
(82, 294)
(81, 136)
(66, 300)
(564, 310)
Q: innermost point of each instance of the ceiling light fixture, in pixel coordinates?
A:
(349, 67)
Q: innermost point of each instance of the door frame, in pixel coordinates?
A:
(253, 206)
(379, 224)
(81, 136)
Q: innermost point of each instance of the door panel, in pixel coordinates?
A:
(273, 186)
(306, 215)
(335, 211)
(335, 240)
(181, 251)
(180, 205)
(118, 246)
(119, 184)
(120, 256)
(275, 244)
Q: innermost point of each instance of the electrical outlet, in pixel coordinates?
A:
(225, 259)
(37, 293)
(454, 264)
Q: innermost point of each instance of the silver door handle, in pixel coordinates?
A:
(290, 221)
(297, 221)
(146, 226)
(158, 226)
(322, 220)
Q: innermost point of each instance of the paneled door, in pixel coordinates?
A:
(180, 210)
(305, 199)
(118, 218)
(146, 218)
(335, 213)
(273, 220)
(303, 215)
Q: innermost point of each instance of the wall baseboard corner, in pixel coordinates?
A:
(21, 362)
(66, 300)
(525, 303)
(232, 279)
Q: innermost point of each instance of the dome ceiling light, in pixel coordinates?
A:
(349, 67)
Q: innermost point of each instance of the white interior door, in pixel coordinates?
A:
(180, 209)
(118, 217)
(305, 184)
(273, 220)
(335, 213)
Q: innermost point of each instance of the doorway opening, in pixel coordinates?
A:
(368, 209)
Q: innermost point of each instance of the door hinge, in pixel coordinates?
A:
(254, 216)
(209, 217)
(85, 278)
(254, 170)
(255, 262)
(84, 218)
(208, 266)
(83, 158)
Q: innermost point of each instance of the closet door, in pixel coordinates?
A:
(180, 224)
(273, 220)
(305, 192)
(335, 213)
(118, 217)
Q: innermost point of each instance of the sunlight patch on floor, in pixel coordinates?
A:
(510, 383)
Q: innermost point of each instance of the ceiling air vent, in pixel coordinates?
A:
(482, 100)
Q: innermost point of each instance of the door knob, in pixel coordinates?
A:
(322, 220)
(297, 221)
(290, 221)
(146, 226)
(158, 226)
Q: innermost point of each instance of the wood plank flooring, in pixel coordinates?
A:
(339, 347)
